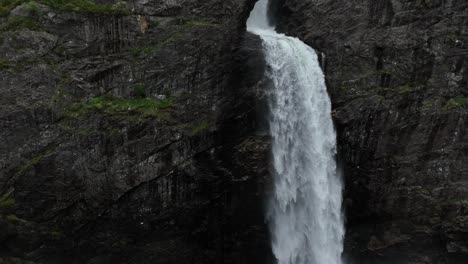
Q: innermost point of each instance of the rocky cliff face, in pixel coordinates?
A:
(397, 71)
(129, 128)
(128, 133)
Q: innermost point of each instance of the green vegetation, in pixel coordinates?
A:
(456, 102)
(200, 127)
(12, 218)
(33, 8)
(428, 105)
(455, 37)
(136, 52)
(141, 51)
(30, 163)
(139, 107)
(62, 5)
(7, 199)
(7, 5)
(73, 129)
(56, 98)
(119, 244)
(406, 89)
(170, 38)
(84, 6)
(383, 71)
(154, 23)
(18, 22)
(56, 233)
(4, 64)
(197, 22)
(17, 66)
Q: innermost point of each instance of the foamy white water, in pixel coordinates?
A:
(305, 215)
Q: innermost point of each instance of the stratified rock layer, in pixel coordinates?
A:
(128, 133)
(397, 71)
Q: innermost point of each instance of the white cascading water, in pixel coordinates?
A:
(305, 215)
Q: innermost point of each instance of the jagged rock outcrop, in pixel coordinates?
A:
(397, 71)
(128, 133)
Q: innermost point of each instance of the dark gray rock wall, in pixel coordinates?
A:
(128, 134)
(397, 71)
(128, 130)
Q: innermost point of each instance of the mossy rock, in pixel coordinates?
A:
(406, 89)
(33, 161)
(7, 5)
(19, 22)
(456, 102)
(88, 6)
(7, 200)
(123, 108)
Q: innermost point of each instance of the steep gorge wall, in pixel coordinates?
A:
(128, 133)
(397, 71)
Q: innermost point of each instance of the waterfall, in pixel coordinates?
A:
(304, 212)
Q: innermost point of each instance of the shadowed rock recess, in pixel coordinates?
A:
(397, 72)
(128, 133)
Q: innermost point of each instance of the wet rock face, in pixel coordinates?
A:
(128, 133)
(397, 73)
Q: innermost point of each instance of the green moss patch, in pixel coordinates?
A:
(405, 89)
(7, 5)
(428, 105)
(56, 233)
(17, 22)
(118, 107)
(200, 127)
(456, 102)
(4, 64)
(84, 6)
(12, 218)
(32, 162)
(135, 52)
(7, 200)
(154, 48)
(197, 22)
(455, 37)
